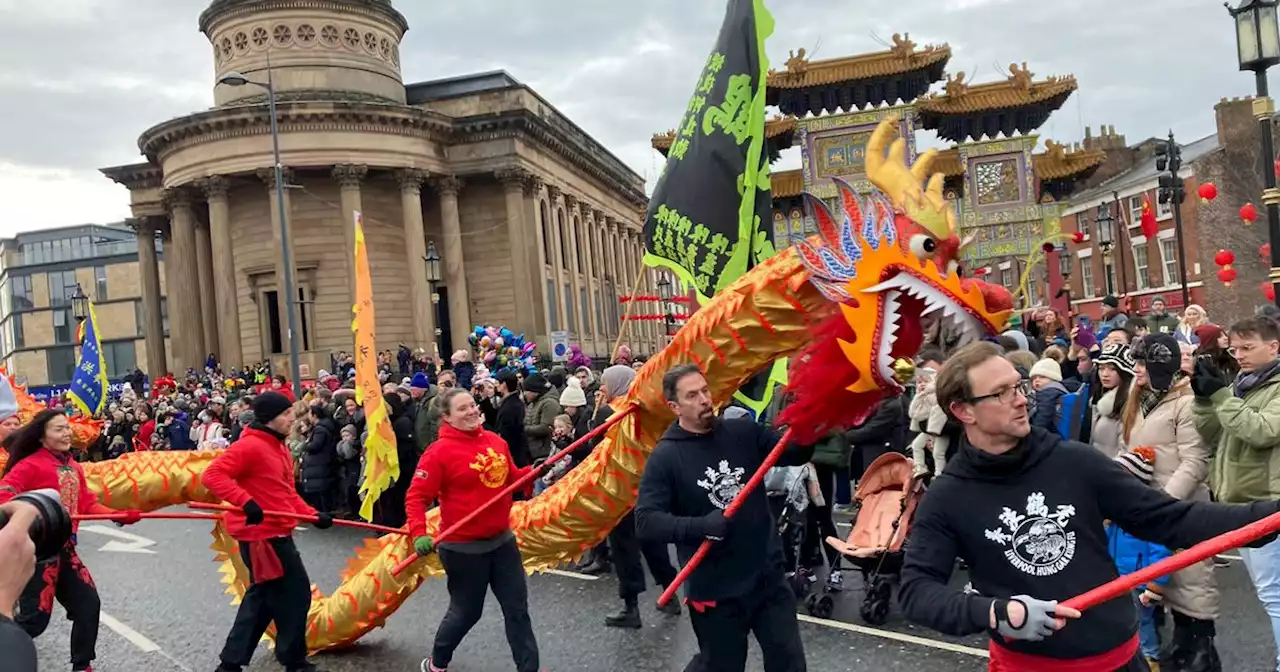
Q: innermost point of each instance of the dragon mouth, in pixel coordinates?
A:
(910, 306)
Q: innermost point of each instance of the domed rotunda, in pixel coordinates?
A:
(481, 203)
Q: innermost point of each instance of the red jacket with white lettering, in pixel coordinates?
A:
(257, 467)
(45, 469)
(464, 470)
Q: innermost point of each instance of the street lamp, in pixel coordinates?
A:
(433, 278)
(1106, 229)
(234, 78)
(665, 295)
(664, 288)
(1064, 270)
(1258, 48)
(80, 304)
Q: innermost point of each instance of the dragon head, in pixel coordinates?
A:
(887, 263)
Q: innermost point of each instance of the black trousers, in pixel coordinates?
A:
(819, 524)
(769, 612)
(66, 579)
(627, 550)
(470, 576)
(285, 600)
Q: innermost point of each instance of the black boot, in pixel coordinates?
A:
(1203, 656)
(1174, 656)
(598, 566)
(629, 617)
(671, 608)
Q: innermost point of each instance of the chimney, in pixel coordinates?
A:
(1236, 124)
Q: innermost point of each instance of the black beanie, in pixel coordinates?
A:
(1162, 356)
(268, 406)
(536, 383)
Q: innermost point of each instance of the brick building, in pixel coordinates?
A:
(39, 273)
(1137, 269)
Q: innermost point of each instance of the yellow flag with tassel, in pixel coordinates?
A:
(382, 463)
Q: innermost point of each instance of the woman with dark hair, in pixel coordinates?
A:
(320, 461)
(40, 458)
(1115, 374)
(1213, 346)
(465, 468)
(390, 507)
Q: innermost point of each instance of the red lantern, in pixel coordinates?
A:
(1268, 290)
(1077, 237)
(1248, 213)
(979, 272)
(1208, 192)
(1265, 251)
(1227, 276)
(1047, 247)
(1224, 258)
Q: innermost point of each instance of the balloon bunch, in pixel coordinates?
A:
(500, 348)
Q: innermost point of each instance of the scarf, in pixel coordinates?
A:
(1248, 382)
(1107, 404)
(1149, 398)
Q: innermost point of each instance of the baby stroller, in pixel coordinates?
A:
(787, 490)
(887, 497)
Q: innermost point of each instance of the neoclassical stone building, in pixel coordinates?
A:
(537, 225)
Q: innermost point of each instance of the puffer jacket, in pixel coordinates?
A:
(1105, 433)
(1132, 553)
(1048, 406)
(320, 460)
(426, 419)
(1246, 466)
(1182, 471)
(833, 451)
(537, 423)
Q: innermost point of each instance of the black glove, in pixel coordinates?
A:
(324, 521)
(1207, 379)
(715, 526)
(252, 513)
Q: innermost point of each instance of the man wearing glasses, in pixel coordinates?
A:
(1242, 418)
(1025, 509)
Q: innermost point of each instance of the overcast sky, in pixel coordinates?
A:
(81, 79)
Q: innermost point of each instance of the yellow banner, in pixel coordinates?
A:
(382, 463)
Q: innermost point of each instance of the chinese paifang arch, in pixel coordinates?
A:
(768, 313)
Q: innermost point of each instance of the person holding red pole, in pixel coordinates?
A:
(695, 471)
(39, 459)
(465, 467)
(1026, 510)
(256, 474)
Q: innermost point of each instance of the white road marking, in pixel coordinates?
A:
(571, 575)
(897, 636)
(133, 636)
(135, 543)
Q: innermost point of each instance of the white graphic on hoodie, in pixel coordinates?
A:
(722, 486)
(1038, 543)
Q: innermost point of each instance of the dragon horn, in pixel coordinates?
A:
(934, 190)
(922, 166)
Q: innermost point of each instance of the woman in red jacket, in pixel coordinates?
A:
(256, 474)
(465, 468)
(40, 458)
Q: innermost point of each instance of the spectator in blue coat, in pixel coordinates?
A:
(1132, 554)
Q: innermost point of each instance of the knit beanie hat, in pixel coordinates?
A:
(1018, 337)
(420, 382)
(617, 379)
(1118, 355)
(536, 383)
(573, 396)
(1162, 356)
(1047, 368)
(1207, 335)
(268, 406)
(1140, 462)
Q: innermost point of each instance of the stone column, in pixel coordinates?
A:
(208, 311)
(223, 284)
(514, 182)
(152, 316)
(415, 246)
(584, 239)
(611, 262)
(455, 276)
(349, 178)
(533, 246)
(280, 240)
(579, 326)
(184, 293)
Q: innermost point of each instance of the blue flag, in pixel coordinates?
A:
(89, 384)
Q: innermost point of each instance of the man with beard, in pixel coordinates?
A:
(1242, 419)
(1025, 509)
(695, 471)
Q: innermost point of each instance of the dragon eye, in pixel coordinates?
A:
(923, 246)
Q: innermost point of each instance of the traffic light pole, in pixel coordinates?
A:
(1264, 110)
(1173, 192)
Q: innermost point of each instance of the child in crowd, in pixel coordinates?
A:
(1046, 380)
(1132, 554)
(928, 419)
(561, 437)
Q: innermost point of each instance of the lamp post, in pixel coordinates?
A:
(433, 278)
(1106, 224)
(290, 294)
(1257, 49)
(1064, 270)
(79, 309)
(665, 295)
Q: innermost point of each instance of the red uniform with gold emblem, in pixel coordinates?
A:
(463, 470)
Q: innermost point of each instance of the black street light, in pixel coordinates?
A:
(1257, 49)
(433, 278)
(664, 288)
(1064, 270)
(80, 304)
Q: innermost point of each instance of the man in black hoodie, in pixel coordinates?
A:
(696, 470)
(1025, 510)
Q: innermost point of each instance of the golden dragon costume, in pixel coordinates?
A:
(883, 263)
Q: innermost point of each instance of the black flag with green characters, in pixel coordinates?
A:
(708, 217)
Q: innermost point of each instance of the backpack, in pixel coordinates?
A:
(1074, 413)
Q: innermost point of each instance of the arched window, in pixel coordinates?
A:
(564, 239)
(546, 234)
(577, 239)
